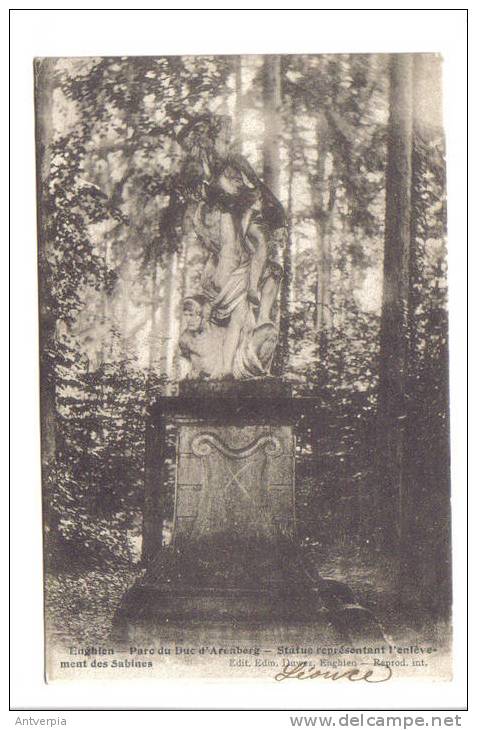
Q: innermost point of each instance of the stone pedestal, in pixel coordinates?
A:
(234, 463)
(233, 555)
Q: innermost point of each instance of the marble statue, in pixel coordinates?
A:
(228, 330)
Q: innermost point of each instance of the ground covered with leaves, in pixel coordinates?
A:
(80, 608)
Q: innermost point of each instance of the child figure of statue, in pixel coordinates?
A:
(200, 342)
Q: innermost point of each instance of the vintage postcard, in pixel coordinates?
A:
(244, 367)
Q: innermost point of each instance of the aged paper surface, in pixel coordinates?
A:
(244, 367)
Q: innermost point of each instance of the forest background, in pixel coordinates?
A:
(353, 147)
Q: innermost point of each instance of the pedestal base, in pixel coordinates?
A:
(248, 607)
(233, 557)
(327, 605)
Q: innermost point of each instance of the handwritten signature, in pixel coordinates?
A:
(356, 674)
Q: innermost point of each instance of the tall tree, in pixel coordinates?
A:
(324, 203)
(283, 347)
(425, 550)
(44, 86)
(272, 99)
(393, 348)
(322, 188)
(238, 103)
(342, 153)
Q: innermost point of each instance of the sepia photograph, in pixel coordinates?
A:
(244, 367)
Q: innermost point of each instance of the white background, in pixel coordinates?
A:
(158, 32)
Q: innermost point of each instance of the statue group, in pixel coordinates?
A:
(229, 330)
(233, 555)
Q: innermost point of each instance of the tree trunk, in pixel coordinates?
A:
(105, 316)
(283, 347)
(238, 104)
(427, 129)
(323, 211)
(272, 122)
(167, 316)
(44, 86)
(322, 194)
(271, 159)
(391, 414)
(180, 274)
(425, 552)
(125, 343)
(153, 338)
